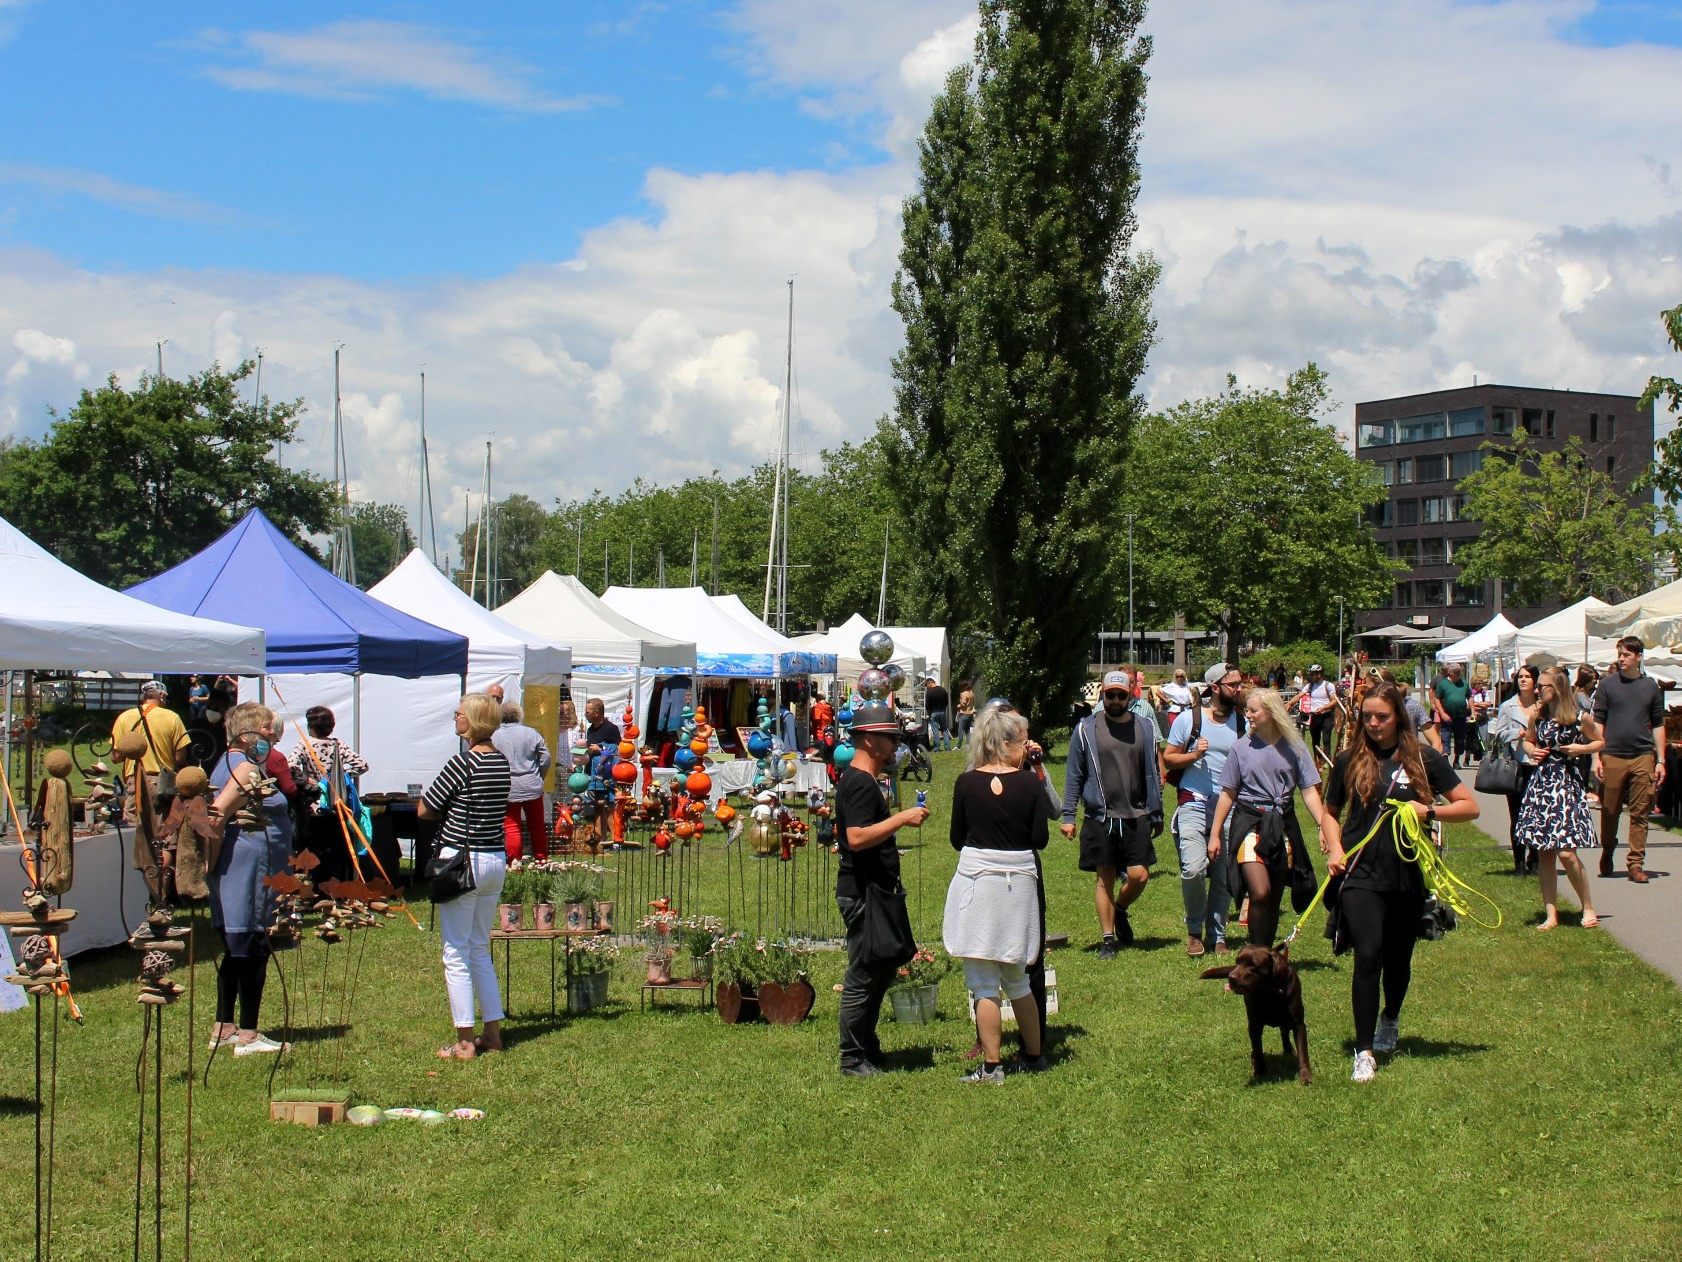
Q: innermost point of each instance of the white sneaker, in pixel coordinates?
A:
(1365, 1067)
(1388, 1034)
(225, 1041)
(260, 1046)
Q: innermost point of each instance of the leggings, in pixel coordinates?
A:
(1383, 926)
(241, 977)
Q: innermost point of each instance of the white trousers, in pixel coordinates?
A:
(465, 925)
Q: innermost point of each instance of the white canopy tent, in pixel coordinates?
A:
(1560, 637)
(1482, 643)
(55, 618)
(843, 641)
(613, 657)
(930, 644)
(1655, 618)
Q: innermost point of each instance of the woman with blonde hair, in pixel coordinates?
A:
(256, 843)
(1268, 765)
(1554, 818)
(470, 794)
(1000, 820)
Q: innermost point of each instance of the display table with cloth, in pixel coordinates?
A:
(400, 819)
(104, 891)
(737, 776)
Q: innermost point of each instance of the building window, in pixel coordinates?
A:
(1462, 464)
(1404, 471)
(1432, 468)
(1548, 423)
(1530, 421)
(1467, 594)
(1419, 429)
(1386, 472)
(1454, 508)
(1408, 550)
(1500, 420)
(1594, 427)
(1611, 465)
(1432, 552)
(1611, 426)
(1407, 512)
(1404, 595)
(1465, 423)
(1375, 434)
(1430, 510)
(1381, 515)
(1428, 591)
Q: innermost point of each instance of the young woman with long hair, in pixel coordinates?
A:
(1511, 722)
(1268, 765)
(1383, 893)
(1555, 816)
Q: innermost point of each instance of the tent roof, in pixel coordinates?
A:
(416, 587)
(560, 607)
(928, 643)
(1654, 618)
(1395, 631)
(843, 641)
(58, 619)
(314, 622)
(1443, 634)
(1476, 643)
(804, 660)
(724, 645)
(1560, 637)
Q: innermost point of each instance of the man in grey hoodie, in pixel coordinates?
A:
(1114, 772)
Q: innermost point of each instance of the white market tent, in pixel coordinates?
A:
(1483, 642)
(612, 656)
(405, 734)
(928, 643)
(1560, 637)
(725, 647)
(1655, 618)
(55, 618)
(843, 641)
(790, 652)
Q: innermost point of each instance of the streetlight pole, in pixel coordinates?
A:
(1132, 644)
(1340, 635)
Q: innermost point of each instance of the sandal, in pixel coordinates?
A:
(1590, 919)
(453, 1051)
(480, 1047)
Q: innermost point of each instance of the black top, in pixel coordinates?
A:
(1378, 866)
(470, 793)
(1015, 818)
(604, 734)
(937, 700)
(1629, 710)
(859, 803)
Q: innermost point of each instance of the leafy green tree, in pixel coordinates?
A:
(518, 525)
(1027, 323)
(379, 539)
(1667, 468)
(1554, 526)
(131, 482)
(1248, 516)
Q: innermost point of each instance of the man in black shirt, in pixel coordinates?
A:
(938, 702)
(868, 856)
(1628, 705)
(602, 734)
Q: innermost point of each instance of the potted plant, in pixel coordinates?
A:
(540, 893)
(512, 910)
(578, 889)
(785, 993)
(659, 931)
(591, 961)
(916, 995)
(697, 934)
(737, 967)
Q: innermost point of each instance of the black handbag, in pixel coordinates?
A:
(886, 936)
(451, 874)
(1498, 772)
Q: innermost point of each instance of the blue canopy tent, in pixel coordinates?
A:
(337, 646)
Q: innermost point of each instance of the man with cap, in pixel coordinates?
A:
(864, 833)
(1319, 706)
(1198, 743)
(1114, 773)
(166, 749)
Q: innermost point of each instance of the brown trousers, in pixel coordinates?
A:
(1626, 782)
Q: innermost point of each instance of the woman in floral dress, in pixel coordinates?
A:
(1555, 816)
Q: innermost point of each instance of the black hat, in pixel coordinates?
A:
(878, 719)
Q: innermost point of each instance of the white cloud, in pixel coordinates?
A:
(359, 60)
(102, 188)
(37, 348)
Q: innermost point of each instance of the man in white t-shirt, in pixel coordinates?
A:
(1198, 743)
(1319, 705)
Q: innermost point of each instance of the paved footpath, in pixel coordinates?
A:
(1645, 918)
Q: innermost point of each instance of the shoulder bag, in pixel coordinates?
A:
(450, 871)
(1498, 772)
(886, 937)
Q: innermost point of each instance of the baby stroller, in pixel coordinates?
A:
(914, 747)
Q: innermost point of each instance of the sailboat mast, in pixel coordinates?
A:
(344, 556)
(776, 559)
(882, 597)
(426, 525)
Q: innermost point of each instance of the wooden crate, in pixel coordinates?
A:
(309, 1112)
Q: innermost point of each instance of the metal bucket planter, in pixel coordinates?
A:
(914, 1005)
(543, 916)
(587, 991)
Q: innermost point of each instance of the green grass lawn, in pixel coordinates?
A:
(1530, 1113)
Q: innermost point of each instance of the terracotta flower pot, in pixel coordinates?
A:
(543, 916)
(578, 915)
(737, 1004)
(659, 970)
(786, 1005)
(510, 916)
(604, 915)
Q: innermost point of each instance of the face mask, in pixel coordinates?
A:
(260, 749)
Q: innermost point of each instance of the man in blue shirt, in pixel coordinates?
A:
(1198, 743)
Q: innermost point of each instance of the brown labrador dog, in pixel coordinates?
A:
(1272, 994)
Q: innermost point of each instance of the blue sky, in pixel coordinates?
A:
(581, 217)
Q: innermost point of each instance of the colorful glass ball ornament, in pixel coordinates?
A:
(896, 676)
(684, 759)
(876, 647)
(578, 781)
(874, 685)
(759, 744)
(844, 716)
(624, 772)
(843, 754)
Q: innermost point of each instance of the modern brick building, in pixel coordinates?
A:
(1424, 444)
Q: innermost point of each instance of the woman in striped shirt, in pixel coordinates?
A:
(469, 794)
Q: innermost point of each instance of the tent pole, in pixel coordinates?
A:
(356, 708)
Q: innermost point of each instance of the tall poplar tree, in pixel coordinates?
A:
(1027, 323)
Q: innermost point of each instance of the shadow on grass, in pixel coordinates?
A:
(16, 1106)
(317, 1033)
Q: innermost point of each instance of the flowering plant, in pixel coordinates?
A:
(592, 955)
(783, 962)
(699, 933)
(737, 961)
(659, 933)
(925, 968)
